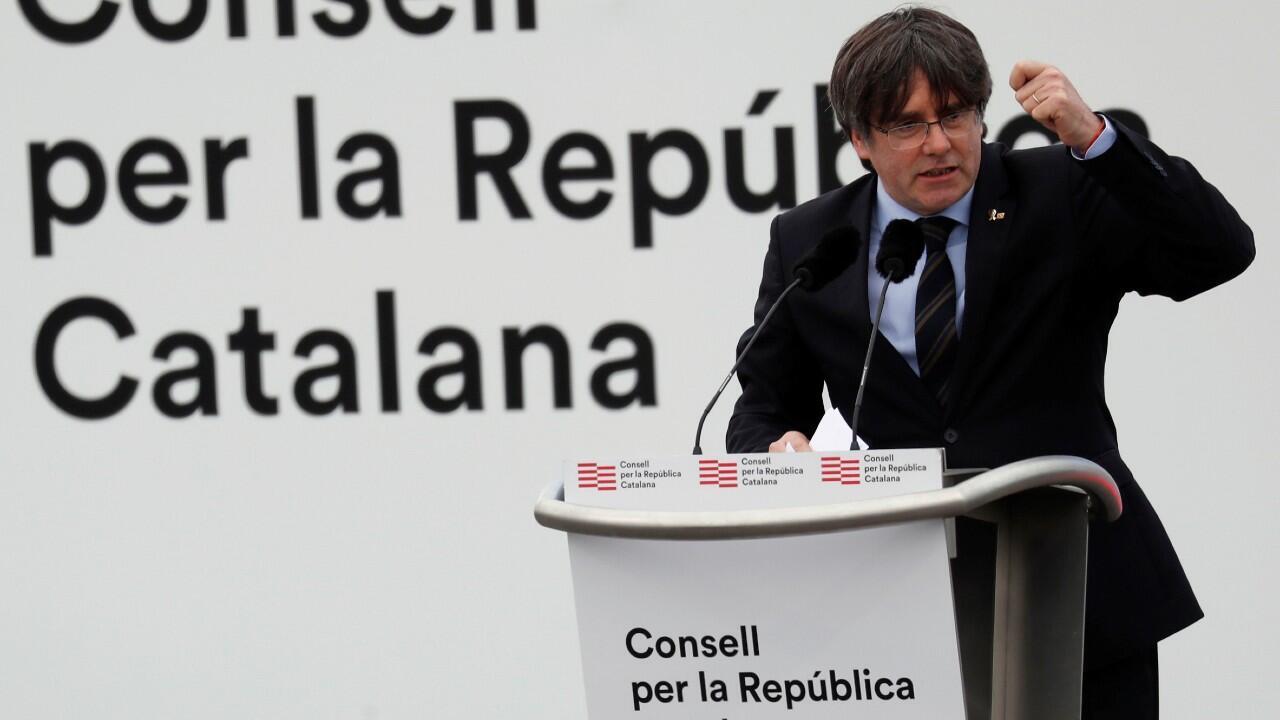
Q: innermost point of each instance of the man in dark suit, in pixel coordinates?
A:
(995, 348)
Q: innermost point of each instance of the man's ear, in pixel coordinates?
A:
(860, 145)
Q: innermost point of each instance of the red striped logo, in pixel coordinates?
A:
(718, 473)
(845, 471)
(592, 476)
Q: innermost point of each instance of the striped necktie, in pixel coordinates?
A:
(936, 338)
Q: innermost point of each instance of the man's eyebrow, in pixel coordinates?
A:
(914, 117)
(906, 117)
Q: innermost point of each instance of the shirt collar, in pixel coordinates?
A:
(887, 209)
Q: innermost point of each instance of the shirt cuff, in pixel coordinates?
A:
(1100, 145)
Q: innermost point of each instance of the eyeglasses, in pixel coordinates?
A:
(912, 135)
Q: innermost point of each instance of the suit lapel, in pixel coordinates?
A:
(987, 244)
(853, 283)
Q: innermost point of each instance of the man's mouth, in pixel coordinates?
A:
(939, 172)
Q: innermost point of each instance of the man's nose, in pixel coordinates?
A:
(936, 142)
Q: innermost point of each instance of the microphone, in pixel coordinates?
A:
(837, 250)
(833, 254)
(900, 249)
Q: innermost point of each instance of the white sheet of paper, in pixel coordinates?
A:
(833, 433)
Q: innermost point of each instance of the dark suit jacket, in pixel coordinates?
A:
(1042, 289)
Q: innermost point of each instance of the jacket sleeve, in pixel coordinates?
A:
(781, 381)
(1154, 225)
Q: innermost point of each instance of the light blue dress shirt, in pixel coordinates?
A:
(898, 324)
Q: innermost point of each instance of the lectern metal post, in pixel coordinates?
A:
(1022, 622)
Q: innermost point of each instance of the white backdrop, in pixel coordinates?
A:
(380, 564)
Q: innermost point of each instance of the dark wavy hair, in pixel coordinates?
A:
(872, 74)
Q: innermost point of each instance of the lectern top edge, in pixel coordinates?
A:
(551, 511)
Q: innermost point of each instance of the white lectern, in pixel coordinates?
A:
(1020, 635)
